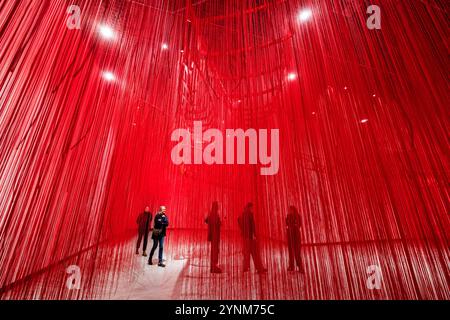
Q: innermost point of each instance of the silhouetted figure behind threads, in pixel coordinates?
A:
(248, 230)
(159, 233)
(214, 223)
(293, 223)
(143, 221)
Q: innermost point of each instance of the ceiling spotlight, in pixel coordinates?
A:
(106, 32)
(305, 15)
(164, 46)
(345, 88)
(108, 76)
(364, 120)
(292, 76)
(374, 95)
(236, 103)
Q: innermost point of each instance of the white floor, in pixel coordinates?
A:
(332, 271)
(149, 282)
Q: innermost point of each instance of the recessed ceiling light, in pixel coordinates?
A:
(364, 120)
(108, 76)
(292, 76)
(164, 46)
(305, 15)
(106, 32)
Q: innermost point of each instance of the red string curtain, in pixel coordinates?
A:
(86, 117)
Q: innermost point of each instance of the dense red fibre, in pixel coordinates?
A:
(85, 142)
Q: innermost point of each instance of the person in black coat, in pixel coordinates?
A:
(159, 233)
(214, 223)
(143, 221)
(248, 230)
(293, 224)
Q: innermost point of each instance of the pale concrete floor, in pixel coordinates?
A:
(148, 282)
(332, 271)
(336, 271)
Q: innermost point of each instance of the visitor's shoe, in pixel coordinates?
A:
(150, 262)
(264, 270)
(144, 254)
(216, 270)
(137, 251)
(162, 265)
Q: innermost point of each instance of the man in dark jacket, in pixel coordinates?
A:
(143, 221)
(247, 226)
(293, 223)
(214, 223)
(159, 233)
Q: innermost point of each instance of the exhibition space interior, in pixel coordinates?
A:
(224, 150)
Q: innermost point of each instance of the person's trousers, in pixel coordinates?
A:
(160, 241)
(251, 249)
(294, 248)
(140, 236)
(215, 253)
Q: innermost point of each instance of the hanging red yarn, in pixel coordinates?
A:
(86, 117)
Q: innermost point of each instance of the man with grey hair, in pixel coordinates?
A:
(159, 232)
